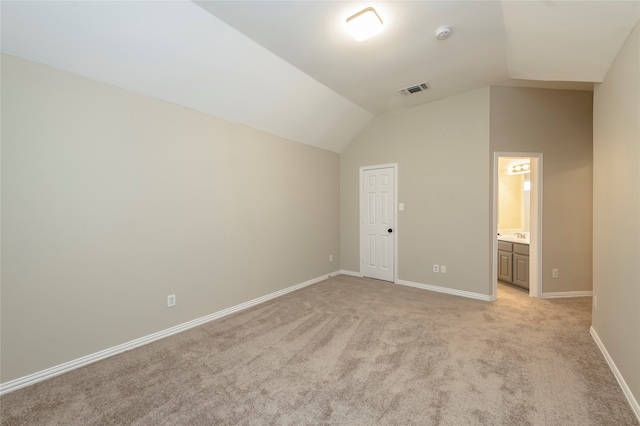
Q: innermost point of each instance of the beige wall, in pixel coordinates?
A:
(442, 152)
(112, 200)
(616, 212)
(558, 124)
(445, 182)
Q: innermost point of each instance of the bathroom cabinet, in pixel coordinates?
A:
(513, 264)
(505, 264)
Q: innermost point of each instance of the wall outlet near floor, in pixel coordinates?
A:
(443, 269)
(330, 258)
(436, 268)
(554, 273)
(171, 301)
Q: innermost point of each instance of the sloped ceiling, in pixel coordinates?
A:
(566, 40)
(177, 52)
(289, 68)
(556, 44)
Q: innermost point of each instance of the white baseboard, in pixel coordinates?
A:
(24, 381)
(447, 290)
(430, 287)
(559, 294)
(625, 389)
(353, 274)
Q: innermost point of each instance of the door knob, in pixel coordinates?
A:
(389, 230)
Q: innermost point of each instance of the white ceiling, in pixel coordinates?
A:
(492, 42)
(177, 52)
(289, 68)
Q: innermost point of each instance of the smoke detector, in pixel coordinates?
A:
(414, 89)
(443, 32)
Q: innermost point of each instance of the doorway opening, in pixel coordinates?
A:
(517, 221)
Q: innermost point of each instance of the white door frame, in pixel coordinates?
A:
(394, 166)
(535, 255)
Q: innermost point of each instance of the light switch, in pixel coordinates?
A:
(401, 206)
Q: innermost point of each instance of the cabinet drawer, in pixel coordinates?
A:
(502, 246)
(521, 249)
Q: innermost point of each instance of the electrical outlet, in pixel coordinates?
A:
(330, 258)
(443, 269)
(554, 273)
(171, 301)
(436, 268)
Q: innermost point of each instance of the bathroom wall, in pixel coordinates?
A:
(513, 199)
(510, 200)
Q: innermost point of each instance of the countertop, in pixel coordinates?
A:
(513, 239)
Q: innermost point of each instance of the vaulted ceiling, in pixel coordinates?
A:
(289, 67)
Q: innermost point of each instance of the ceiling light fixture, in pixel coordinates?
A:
(520, 168)
(443, 32)
(364, 24)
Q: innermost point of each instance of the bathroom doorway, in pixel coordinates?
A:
(517, 220)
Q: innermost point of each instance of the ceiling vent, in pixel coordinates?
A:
(414, 89)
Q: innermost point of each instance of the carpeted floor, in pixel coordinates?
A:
(351, 351)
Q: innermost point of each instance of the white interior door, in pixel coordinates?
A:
(377, 223)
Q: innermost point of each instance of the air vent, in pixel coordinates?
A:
(414, 89)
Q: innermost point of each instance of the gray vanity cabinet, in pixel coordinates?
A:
(521, 270)
(505, 261)
(513, 264)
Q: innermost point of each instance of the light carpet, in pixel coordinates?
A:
(350, 351)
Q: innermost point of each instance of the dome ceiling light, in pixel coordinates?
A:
(364, 24)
